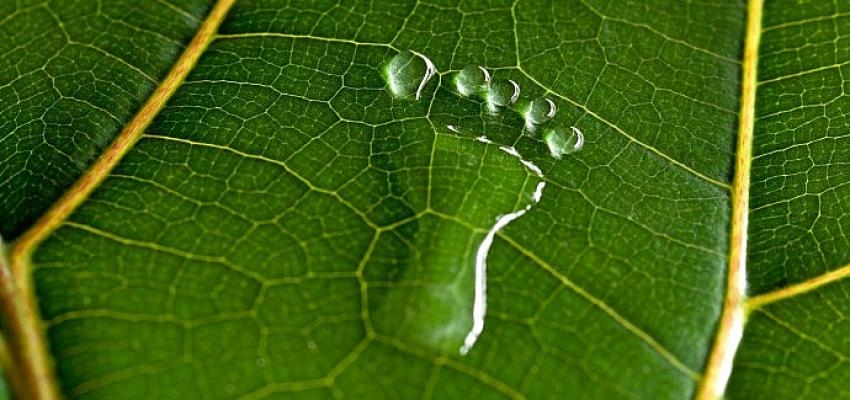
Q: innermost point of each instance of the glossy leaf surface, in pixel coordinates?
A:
(289, 227)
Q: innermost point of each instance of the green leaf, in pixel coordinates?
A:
(290, 224)
(794, 344)
(72, 74)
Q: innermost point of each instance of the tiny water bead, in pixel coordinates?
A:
(472, 79)
(502, 93)
(561, 141)
(540, 110)
(408, 73)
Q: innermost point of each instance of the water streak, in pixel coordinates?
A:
(479, 305)
(430, 71)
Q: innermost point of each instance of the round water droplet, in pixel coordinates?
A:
(561, 141)
(539, 111)
(472, 79)
(408, 73)
(502, 93)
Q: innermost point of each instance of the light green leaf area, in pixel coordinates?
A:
(288, 228)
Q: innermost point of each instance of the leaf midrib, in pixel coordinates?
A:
(731, 325)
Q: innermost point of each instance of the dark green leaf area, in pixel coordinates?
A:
(72, 74)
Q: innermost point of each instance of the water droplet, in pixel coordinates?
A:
(502, 93)
(484, 139)
(408, 73)
(539, 111)
(538, 191)
(261, 362)
(312, 345)
(561, 142)
(472, 79)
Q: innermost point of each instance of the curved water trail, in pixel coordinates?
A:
(430, 71)
(479, 305)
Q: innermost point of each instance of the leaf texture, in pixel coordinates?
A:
(793, 345)
(73, 73)
(285, 227)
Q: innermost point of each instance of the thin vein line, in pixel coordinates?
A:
(442, 360)
(730, 328)
(804, 21)
(656, 32)
(798, 288)
(166, 250)
(798, 74)
(20, 311)
(802, 335)
(613, 314)
(616, 128)
(226, 36)
(306, 182)
(682, 165)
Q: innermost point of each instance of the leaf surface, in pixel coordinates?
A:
(72, 73)
(794, 344)
(286, 227)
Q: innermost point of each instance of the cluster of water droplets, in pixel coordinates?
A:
(476, 80)
(407, 75)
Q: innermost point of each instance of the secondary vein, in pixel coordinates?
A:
(806, 286)
(731, 325)
(18, 300)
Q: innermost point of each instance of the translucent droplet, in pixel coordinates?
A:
(408, 73)
(561, 141)
(502, 93)
(484, 139)
(472, 79)
(539, 111)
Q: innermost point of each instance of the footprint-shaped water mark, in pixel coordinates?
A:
(408, 73)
